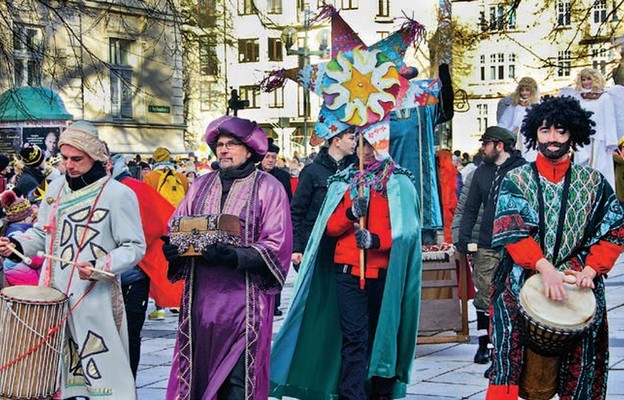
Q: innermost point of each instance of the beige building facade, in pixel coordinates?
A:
(116, 65)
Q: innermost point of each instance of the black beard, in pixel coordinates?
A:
(562, 149)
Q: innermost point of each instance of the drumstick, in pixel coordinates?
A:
(62, 260)
(26, 260)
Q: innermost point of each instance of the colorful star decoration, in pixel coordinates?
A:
(360, 85)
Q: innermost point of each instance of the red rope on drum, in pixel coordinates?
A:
(51, 332)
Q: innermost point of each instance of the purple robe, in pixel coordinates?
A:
(225, 313)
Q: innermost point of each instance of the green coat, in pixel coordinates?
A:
(305, 357)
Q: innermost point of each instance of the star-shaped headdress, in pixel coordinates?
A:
(360, 85)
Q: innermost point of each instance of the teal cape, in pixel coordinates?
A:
(305, 357)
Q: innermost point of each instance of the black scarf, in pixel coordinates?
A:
(96, 172)
(228, 176)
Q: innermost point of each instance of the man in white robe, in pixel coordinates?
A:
(90, 219)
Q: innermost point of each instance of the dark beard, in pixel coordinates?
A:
(562, 149)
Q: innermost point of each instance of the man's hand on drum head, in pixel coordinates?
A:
(552, 279)
(584, 278)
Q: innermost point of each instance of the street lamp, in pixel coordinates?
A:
(289, 34)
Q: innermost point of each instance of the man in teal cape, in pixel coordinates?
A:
(305, 359)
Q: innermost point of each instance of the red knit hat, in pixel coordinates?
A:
(17, 209)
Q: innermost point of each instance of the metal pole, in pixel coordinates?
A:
(306, 92)
(225, 51)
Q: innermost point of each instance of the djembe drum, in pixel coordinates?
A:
(549, 328)
(31, 340)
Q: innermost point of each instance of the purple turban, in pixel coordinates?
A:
(244, 130)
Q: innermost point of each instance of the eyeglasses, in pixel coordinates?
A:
(228, 145)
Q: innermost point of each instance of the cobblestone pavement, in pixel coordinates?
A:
(440, 371)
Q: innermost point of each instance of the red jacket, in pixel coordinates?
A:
(342, 227)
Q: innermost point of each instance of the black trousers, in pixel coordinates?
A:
(135, 300)
(234, 386)
(359, 314)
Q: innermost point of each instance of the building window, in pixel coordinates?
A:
(482, 67)
(120, 78)
(349, 4)
(497, 67)
(563, 12)
(207, 96)
(274, 6)
(277, 98)
(248, 50)
(482, 117)
(502, 16)
(384, 8)
(303, 106)
(275, 49)
(599, 59)
(208, 61)
(27, 55)
(563, 63)
(251, 93)
(600, 11)
(246, 7)
(511, 66)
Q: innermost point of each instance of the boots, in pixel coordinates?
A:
(483, 353)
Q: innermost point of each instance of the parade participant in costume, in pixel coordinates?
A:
(19, 218)
(94, 221)
(312, 188)
(268, 165)
(32, 173)
(590, 91)
(330, 303)
(448, 194)
(173, 186)
(224, 338)
(149, 277)
(585, 243)
(163, 165)
(526, 93)
(499, 157)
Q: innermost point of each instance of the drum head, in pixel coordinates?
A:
(575, 312)
(32, 294)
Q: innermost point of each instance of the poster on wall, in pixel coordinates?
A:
(10, 141)
(45, 138)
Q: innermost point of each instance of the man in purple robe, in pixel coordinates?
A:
(224, 339)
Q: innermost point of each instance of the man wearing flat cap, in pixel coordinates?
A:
(93, 222)
(224, 338)
(32, 173)
(499, 156)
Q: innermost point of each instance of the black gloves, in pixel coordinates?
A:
(366, 240)
(220, 254)
(358, 209)
(170, 251)
(18, 246)
(447, 95)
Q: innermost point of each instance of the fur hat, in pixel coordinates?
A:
(31, 156)
(17, 209)
(244, 130)
(161, 154)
